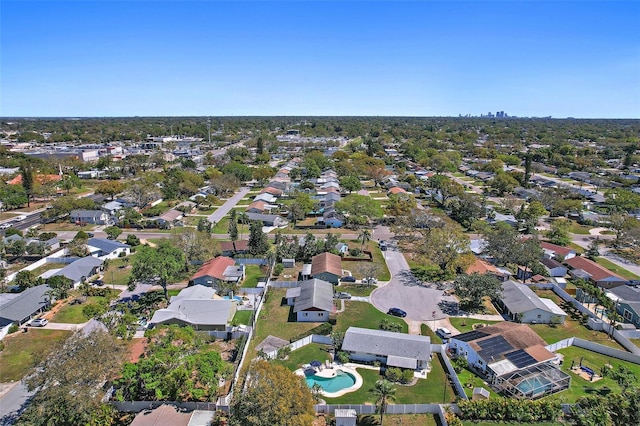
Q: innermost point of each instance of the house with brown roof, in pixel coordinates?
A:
(513, 358)
(397, 190)
(212, 271)
(228, 249)
(271, 190)
(256, 207)
(327, 267)
(599, 275)
(560, 253)
(479, 266)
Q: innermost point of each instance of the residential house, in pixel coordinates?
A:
(212, 271)
(523, 305)
(326, 266)
(332, 219)
(390, 348)
(599, 275)
(312, 301)
(234, 273)
(107, 249)
(268, 219)
(554, 268)
(509, 219)
(272, 190)
(81, 270)
(343, 248)
(559, 253)
(170, 218)
(112, 207)
(256, 207)
(93, 217)
(513, 358)
(196, 307)
(241, 247)
(396, 190)
(18, 308)
(266, 198)
(627, 302)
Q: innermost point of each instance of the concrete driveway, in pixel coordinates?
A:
(406, 292)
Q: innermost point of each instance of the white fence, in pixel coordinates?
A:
(594, 347)
(56, 257)
(313, 338)
(371, 409)
(284, 284)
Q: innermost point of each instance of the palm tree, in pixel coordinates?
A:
(316, 392)
(384, 392)
(365, 237)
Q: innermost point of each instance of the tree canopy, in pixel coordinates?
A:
(159, 265)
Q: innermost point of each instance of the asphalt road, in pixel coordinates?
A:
(406, 292)
(13, 403)
(221, 212)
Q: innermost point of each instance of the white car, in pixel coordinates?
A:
(20, 218)
(443, 332)
(39, 322)
(6, 225)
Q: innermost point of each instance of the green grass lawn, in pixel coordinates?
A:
(378, 259)
(72, 314)
(119, 271)
(476, 423)
(576, 228)
(467, 378)
(466, 324)
(573, 328)
(425, 330)
(365, 315)
(17, 357)
(304, 355)
(173, 292)
(253, 273)
(581, 387)
(617, 269)
(434, 389)
(222, 227)
(355, 289)
(399, 419)
(47, 267)
(242, 317)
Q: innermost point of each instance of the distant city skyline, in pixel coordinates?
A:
(116, 58)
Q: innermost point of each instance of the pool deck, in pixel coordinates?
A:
(332, 371)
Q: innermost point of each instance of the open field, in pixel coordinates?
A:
(18, 355)
(65, 226)
(118, 271)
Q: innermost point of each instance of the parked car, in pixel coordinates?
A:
(370, 281)
(383, 245)
(98, 282)
(39, 322)
(348, 279)
(5, 225)
(443, 332)
(397, 312)
(90, 234)
(343, 295)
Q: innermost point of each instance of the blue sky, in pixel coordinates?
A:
(117, 58)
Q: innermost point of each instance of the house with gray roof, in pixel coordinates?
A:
(312, 300)
(93, 217)
(521, 303)
(81, 270)
(390, 348)
(24, 306)
(106, 249)
(268, 219)
(196, 307)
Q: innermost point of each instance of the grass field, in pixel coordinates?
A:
(362, 314)
(65, 226)
(355, 289)
(576, 228)
(581, 387)
(242, 317)
(476, 423)
(304, 355)
(378, 259)
(425, 330)
(47, 267)
(466, 324)
(118, 271)
(222, 227)
(399, 419)
(18, 355)
(617, 269)
(253, 273)
(72, 314)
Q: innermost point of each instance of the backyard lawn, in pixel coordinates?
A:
(118, 271)
(253, 273)
(581, 387)
(304, 355)
(17, 356)
(362, 314)
(72, 314)
(242, 317)
(435, 389)
(466, 324)
(617, 269)
(476, 423)
(399, 419)
(378, 259)
(47, 267)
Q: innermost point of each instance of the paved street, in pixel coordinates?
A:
(13, 402)
(404, 291)
(217, 216)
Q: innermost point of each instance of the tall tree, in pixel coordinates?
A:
(28, 180)
(233, 228)
(364, 236)
(383, 392)
(471, 289)
(68, 382)
(158, 265)
(258, 241)
(198, 247)
(527, 170)
(272, 395)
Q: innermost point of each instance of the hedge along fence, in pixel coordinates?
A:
(369, 257)
(510, 410)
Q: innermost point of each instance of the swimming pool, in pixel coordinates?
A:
(337, 383)
(238, 298)
(534, 384)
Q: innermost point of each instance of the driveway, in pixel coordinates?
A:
(406, 292)
(221, 212)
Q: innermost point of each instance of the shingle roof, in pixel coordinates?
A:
(316, 294)
(81, 268)
(481, 267)
(196, 312)
(258, 205)
(520, 336)
(551, 263)
(214, 268)
(596, 271)
(241, 245)
(171, 215)
(106, 245)
(562, 251)
(387, 343)
(519, 298)
(29, 301)
(326, 262)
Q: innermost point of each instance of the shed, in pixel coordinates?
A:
(289, 263)
(479, 394)
(346, 417)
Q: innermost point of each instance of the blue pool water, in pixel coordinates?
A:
(537, 384)
(334, 384)
(238, 298)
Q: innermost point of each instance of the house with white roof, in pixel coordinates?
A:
(103, 248)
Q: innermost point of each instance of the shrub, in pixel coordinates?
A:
(133, 240)
(355, 252)
(343, 357)
(407, 376)
(284, 352)
(93, 310)
(393, 374)
(1, 346)
(122, 254)
(14, 327)
(459, 364)
(278, 269)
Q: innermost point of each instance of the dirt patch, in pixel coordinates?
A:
(226, 349)
(136, 349)
(54, 310)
